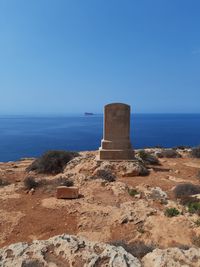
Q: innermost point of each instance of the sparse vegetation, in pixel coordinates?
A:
(106, 175)
(65, 182)
(140, 228)
(138, 249)
(132, 192)
(142, 154)
(30, 182)
(147, 157)
(195, 153)
(181, 147)
(194, 207)
(187, 189)
(52, 162)
(196, 240)
(158, 146)
(168, 153)
(171, 212)
(3, 182)
(197, 222)
(32, 263)
(198, 176)
(184, 247)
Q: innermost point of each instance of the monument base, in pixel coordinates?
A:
(114, 154)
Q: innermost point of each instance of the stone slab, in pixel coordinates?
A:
(67, 192)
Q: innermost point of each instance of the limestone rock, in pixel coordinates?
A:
(134, 168)
(66, 250)
(135, 212)
(156, 193)
(167, 153)
(172, 257)
(118, 188)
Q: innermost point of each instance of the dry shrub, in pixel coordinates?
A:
(138, 249)
(148, 158)
(195, 152)
(106, 175)
(64, 182)
(30, 182)
(3, 182)
(187, 189)
(52, 162)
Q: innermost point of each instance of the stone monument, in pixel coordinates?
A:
(116, 143)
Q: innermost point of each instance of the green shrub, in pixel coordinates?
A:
(194, 207)
(133, 192)
(52, 162)
(187, 189)
(171, 212)
(142, 154)
(197, 222)
(29, 183)
(195, 153)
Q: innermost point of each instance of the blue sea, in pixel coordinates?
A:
(22, 136)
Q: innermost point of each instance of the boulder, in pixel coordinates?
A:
(135, 212)
(172, 257)
(131, 169)
(156, 193)
(167, 153)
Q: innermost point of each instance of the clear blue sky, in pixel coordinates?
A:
(71, 56)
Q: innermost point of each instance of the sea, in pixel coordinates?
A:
(30, 136)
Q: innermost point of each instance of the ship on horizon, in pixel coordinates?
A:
(88, 113)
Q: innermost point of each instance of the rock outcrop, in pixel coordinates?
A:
(172, 257)
(66, 250)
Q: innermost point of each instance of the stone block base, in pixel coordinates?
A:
(67, 192)
(105, 154)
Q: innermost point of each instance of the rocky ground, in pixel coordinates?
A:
(129, 212)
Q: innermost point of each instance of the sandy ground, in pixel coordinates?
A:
(98, 214)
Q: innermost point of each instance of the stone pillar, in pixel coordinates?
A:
(116, 143)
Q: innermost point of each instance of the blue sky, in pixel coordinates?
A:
(71, 56)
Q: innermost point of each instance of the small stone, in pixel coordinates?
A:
(138, 196)
(32, 191)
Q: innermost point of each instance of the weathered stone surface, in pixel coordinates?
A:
(66, 250)
(156, 193)
(116, 143)
(134, 168)
(135, 212)
(167, 153)
(172, 257)
(67, 192)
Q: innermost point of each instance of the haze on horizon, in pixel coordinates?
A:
(59, 57)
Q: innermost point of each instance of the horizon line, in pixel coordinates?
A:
(94, 114)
